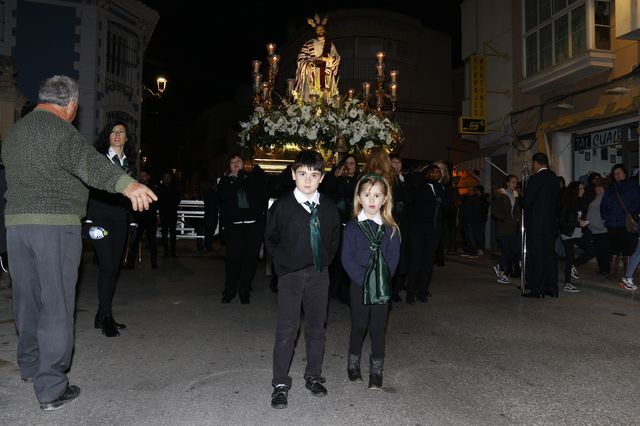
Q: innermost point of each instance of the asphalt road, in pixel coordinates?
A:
(476, 354)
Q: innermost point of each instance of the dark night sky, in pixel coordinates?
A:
(206, 56)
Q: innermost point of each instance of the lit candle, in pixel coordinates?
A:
(394, 90)
(366, 88)
(380, 56)
(394, 76)
(290, 85)
(271, 48)
(350, 92)
(380, 68)
(265, 90)
(256, 66)
(257, 79)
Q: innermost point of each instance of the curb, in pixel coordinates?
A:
(610, 287)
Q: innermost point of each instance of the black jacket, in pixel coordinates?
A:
(288, 236)
(254, 187)
(541, 203)
(428, 202)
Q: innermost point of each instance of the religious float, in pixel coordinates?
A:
(312, 114)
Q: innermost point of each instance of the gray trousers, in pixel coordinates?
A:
(43, 262)
(308, 289)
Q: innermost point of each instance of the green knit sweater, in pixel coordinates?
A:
(48, 167)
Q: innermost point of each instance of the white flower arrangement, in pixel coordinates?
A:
(308, 126)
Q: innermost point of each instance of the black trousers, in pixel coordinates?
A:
(510, 245)
(168, 229)
(603, 252)
(588, 251)
(422, 252)
(308, 289)
(109, 251)
(148, 229)
(542, 264)
(242, 243)
(373, 317)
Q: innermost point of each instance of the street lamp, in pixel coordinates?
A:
(161, 84)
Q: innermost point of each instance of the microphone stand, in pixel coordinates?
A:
(523, 231)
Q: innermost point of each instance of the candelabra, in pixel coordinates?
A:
(262, 90)
(381, 95)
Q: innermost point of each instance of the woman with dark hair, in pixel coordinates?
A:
(505, 209)
(621, 196)
(572, 219)
(107, 221)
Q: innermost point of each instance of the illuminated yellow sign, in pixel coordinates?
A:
(478, 86)
(472, 125)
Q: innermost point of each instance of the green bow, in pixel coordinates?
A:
(376, 278)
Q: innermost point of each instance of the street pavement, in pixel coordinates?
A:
(476, 354)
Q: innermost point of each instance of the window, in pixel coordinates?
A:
(123, 49)
(603, 24)
(556, 30)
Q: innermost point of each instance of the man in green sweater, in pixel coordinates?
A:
(49, 166)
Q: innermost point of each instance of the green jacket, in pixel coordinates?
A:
(507, 220)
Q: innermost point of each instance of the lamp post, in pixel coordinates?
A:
(161, 86)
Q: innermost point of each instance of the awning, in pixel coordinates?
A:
(477, 160)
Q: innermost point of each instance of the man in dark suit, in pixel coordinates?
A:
(541, 225)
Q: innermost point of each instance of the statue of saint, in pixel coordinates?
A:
(318, 62)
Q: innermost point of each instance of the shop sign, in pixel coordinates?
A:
(598, 139)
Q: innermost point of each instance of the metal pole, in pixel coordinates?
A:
(523, 231)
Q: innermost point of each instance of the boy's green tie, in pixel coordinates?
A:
(316, 238)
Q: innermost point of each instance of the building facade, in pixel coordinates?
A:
(570, 70)
(97, 42)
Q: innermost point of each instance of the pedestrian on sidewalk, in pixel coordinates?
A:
(48, 167)
(572, 221)
(505, 209)
(598, 230)
(302, 235)
(370, 254)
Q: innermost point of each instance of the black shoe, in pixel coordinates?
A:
(244, 300)
(129, 266)
(109, 328)
(314, 384)
(428, 293)
(423, 299)
(69, 394)
(375, 372)
(396, 298)
(279, 397)
(534, 295)
(410, 301)
(98, 322)
(551, 293)
(226, 299)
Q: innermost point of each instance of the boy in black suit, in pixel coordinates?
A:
(302, 234)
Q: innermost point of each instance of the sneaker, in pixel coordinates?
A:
(502, 279)
(628, 284)
(570, 288)
(69, 394)
(574, 273)
(279, 396)
(496, 269)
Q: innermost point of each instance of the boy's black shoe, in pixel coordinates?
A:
(279, 396)
(69, 394)
(314, 384)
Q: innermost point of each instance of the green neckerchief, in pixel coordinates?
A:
(316, 237)
(376, 278)
(124, 164)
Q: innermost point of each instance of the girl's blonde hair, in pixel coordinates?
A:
(379, 163)
(387, 207)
